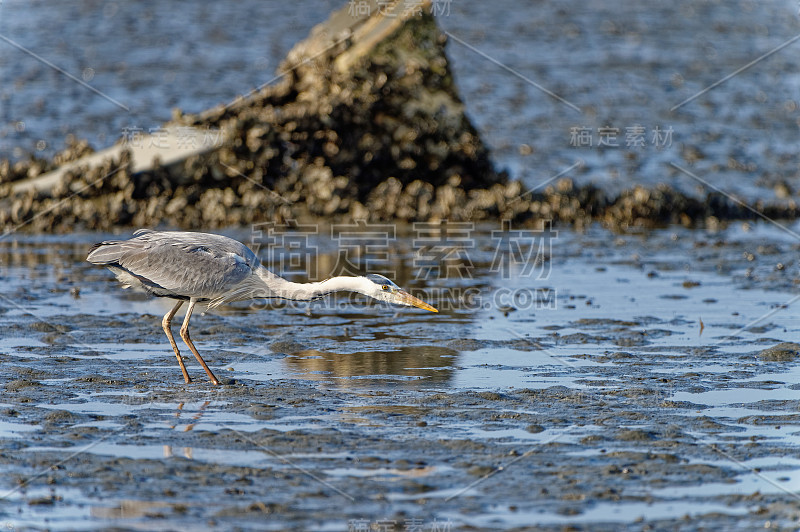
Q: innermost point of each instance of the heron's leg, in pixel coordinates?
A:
(166, 323)
(185, 336)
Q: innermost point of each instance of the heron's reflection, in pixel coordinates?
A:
(187, 451)
(431, 363)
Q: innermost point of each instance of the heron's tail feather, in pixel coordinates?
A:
(112, 251)
(108, 252)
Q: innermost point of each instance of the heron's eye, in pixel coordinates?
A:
(385, 287)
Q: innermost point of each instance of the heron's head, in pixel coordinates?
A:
(383, 289)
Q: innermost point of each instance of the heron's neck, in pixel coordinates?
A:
(276, 286)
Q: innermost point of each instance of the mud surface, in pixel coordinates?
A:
(653, 386)
(643, 381)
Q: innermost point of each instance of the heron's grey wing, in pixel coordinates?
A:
(181, 264)
(197, 272)
(191, 240)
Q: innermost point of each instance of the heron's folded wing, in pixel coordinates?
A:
(188, 271)
(189, 241)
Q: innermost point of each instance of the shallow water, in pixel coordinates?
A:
(606, 402)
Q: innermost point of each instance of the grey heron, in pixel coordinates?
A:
(215, 269)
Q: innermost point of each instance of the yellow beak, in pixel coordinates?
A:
(407, 299)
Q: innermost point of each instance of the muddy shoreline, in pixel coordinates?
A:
(589, 416)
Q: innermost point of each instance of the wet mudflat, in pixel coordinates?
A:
(644, 387)
(628, 69)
